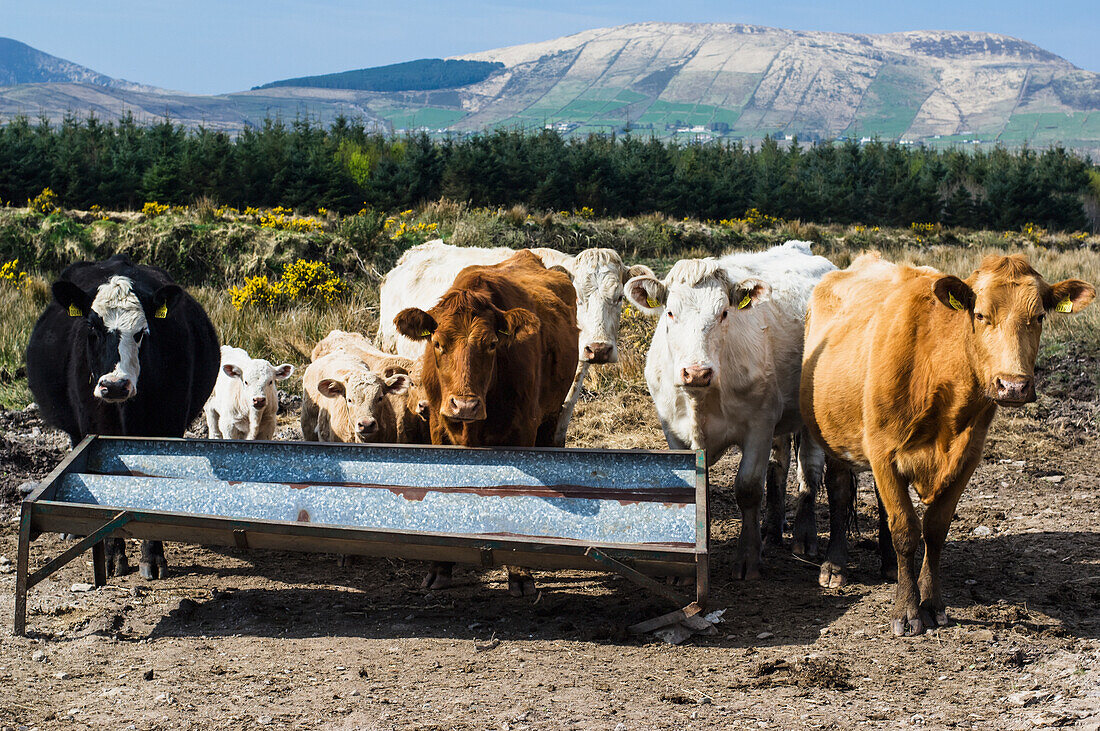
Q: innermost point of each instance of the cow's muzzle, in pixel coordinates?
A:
(1013, 390)
(696, 376)
(366, 427)
(259, 402)
(113, 391)
(599, 353)
(464, 408)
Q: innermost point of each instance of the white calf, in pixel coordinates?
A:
(244, 402)
(724, 369)
(425, 272)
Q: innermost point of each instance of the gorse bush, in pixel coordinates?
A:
(302, 282)
(44, 203)
(11, 275)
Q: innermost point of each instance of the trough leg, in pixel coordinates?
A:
(22, 565)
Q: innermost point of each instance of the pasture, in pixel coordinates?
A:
(238, 638)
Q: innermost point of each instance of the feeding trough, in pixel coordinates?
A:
(638, 513)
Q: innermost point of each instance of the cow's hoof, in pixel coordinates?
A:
(803, 544)
(520, 585)
(343, 561)
(436, 580)
(773, 537)
(831, 576)
(933, 618)
(907, 628)
(154, 569)
(746, 571)
(117, 565)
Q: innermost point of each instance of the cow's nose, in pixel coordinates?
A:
(1014, 389)
(598, 352)
(696, 376)
(423, 408)
(259, 402)
(465, 408)
(367, 426)
(113, 390)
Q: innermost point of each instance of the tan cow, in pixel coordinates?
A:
(903, 369)
(410, 407)
(345, 401)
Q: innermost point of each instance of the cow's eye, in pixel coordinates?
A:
(1039, 319)
(725, 314)
(670, 316)
(138, 336)
(979, 317)
(619, 298)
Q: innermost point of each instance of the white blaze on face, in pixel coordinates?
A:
(122, 314)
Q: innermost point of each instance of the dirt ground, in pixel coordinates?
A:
(236, 639)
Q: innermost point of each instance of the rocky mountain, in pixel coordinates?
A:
(691, 81)
(21, 64)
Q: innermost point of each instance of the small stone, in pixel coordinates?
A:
(164, 698)
(706, 700)
(4, 560)
(39, 656)
(61, 676)
(1053, 478)
(355, 692)
(263, 720)
(28, 487)
(983, 530)
(970, 582)
(149, 674)
(81, 587)
(765, 635)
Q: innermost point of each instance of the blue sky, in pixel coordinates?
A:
(208, 46)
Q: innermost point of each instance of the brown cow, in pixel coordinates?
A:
(503, 355)
(902, 372)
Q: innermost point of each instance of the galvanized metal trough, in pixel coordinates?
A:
(638, 513)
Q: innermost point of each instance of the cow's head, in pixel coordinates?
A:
(363, 393)
(466, 331)
(1006, 301)
(697, 304)
(598, 276)
(118, 323)
(257, 378)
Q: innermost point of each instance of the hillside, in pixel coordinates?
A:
(21, 64)
(690, 81)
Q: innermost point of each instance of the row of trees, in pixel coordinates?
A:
(344, 166)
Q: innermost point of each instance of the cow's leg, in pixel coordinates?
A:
(748, 487)
(439, 575)
(905, 531)
(811, 470)
(571, 399)
(840, 486)
(212, 431)
(776, 490)
(153, 565)
(937, 519)
(114, 550)
(520, 581)
(887, 556)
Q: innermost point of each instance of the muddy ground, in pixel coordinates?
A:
(236, 639)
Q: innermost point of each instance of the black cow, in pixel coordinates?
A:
(122, 350)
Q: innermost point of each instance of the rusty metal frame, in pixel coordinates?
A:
(40, 513)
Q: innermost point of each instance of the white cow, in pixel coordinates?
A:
(425, 272)
(244, 401)
(724, 369)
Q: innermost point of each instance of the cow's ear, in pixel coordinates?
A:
(398, 383)
(72, 298)
(561, 270)
(165, 300)
(518, 324)
(638, 270)
(954, 293)
(232, 371)
(647, 293)
(1069, 295)
(283, 372)
(415, 324)
(330, 387)
(749, 293)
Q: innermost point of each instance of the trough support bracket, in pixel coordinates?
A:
(637, 577)
(24, 581)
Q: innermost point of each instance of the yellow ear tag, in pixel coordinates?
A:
(652, 302)
(75, 311)
(161, 313)
(505, 333)
(744, 302)
(955, 304)
(1065, 305)
(425, 333)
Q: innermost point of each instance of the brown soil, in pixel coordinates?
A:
(236, 639)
